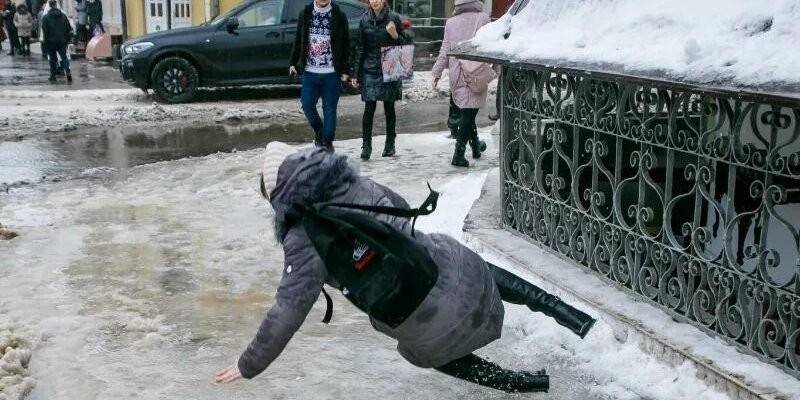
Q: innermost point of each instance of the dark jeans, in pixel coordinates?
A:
(453, 117)
(13, 38)
(82, 32)
(327, 86)
(61, 50)
(369, 116)
(25, 48)
(466, 126)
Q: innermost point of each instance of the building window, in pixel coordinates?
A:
(414, 8)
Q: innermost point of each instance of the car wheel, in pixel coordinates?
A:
(174, 80)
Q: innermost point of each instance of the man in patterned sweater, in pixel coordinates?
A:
(320, 54)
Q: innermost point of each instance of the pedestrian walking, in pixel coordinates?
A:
(56, 32)
(321, 54)
(436, 326)
(467, 17)
(453, 119)
(379, 27)
(3, 35)
(9, 12)
(81, 29)
(94, 14)
(23, 20)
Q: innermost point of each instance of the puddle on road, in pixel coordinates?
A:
(65, 156)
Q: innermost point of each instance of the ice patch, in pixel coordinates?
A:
(15, 357)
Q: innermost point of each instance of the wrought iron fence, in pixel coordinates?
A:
(690, 200)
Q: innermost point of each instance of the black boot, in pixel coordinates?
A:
(391, 133)
(477, 146)
(453, 119)
(366, 130)
(453, 132)
(474, 369)
(366, 149)
(388, 147)
(516, 290)
(458, 154)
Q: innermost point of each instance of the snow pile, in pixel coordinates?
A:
(242, 114)
(6, 234)
(88, 94)
(743, 42)
(420, 88)
(15, 355)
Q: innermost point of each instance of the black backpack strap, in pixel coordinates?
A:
(428, 206)
(328, 307)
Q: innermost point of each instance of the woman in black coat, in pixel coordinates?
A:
(379, 27)
(94, 12)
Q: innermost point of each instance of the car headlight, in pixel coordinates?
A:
(137, 47)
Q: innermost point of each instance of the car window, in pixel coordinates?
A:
(263, 13)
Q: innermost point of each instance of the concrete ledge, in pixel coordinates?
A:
(718, 363)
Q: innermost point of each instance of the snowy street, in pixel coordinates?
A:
(142, 283)
(644, 168)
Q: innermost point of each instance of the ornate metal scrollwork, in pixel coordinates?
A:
(687, 199)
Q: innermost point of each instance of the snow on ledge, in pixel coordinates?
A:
(741, 42)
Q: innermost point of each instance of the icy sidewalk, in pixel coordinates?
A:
(692, 361)
(142, 283)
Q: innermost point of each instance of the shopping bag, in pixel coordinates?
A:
(397, 62)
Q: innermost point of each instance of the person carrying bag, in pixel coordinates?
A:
(379, 28)
(469, 80)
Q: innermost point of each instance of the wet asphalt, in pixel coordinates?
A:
(46, 157)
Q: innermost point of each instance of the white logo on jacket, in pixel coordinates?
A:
(359, 251)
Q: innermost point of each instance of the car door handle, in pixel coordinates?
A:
(273, 34)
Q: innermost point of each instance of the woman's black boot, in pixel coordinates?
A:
(476, 145)
(391, 133)
(366, 130)
(366, 149)
(516, 290)
(388, 148)
(458, 155)
(474, 369)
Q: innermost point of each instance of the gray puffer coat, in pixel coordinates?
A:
(463, 311)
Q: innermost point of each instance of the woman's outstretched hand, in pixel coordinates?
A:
(229, 374)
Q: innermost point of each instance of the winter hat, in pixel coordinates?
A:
(274, 155)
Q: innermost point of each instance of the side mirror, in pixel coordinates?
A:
(232, 25)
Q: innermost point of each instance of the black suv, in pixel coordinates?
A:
(250, 44)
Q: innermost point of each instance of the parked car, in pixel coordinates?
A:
(248, 45)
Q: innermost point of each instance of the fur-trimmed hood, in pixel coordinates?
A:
(309, 176)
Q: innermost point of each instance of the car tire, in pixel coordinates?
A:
(174, 80)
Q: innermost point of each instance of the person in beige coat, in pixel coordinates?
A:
(467, 17)
(23, 20)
